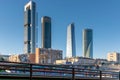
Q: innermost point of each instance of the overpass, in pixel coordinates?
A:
(27, 71)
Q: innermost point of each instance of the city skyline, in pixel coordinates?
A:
(102, 16)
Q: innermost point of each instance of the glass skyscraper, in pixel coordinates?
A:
(71, 49)
(46, 32)
(29, 27)
(88, 43)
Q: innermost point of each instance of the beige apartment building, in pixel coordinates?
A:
(114, 56)
(47, 56)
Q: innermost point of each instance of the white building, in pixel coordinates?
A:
(77, 61)
(70, 49)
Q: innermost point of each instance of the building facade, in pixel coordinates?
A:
(46, 32)
(77, 61)
(47, 56)
(19, 58)
(88, 43)
(71, 49)
(113, 56)
(29, 27)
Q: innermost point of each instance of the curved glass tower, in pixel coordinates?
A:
(71, 49)
(29, 27)
(46, 32)
(88, 43)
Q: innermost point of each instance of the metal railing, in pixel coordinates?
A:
(31, 71)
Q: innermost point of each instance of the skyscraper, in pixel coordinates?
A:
(71, 49)
(46, 32)
(29, 27)
(88, 43)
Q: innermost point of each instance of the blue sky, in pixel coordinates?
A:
(103, 16)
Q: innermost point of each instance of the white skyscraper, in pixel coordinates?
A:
(71, 49)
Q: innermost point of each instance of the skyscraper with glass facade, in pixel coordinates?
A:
(88, 43)
(46, 32)
(71, 49)
(29, 27)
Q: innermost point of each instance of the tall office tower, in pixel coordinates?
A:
(46, 32)
(71, 49)
(88, 43)
(29, 27)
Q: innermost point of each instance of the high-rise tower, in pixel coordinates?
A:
(29, 27)
(88, 43)
(46, 32)
(71, 49)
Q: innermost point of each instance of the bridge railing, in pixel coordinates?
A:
(59, 71)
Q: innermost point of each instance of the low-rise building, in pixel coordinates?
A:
(47, 56)
(77, 61)
(19, 58)
(41, 56)
(101, 61)
(59, 62)
(113, 57)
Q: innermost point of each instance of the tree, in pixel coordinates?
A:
(1, 58)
